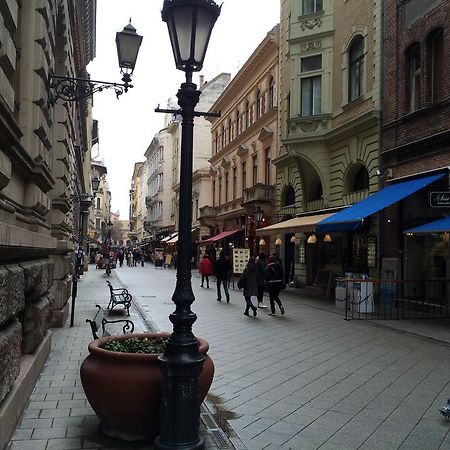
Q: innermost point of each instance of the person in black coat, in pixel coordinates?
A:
(274, 281)
(261, 266)
(222, 268)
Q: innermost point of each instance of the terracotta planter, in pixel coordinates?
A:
(124, 389)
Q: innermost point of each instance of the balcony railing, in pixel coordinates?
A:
(259, 193)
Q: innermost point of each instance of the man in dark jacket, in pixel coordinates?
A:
(222, 268)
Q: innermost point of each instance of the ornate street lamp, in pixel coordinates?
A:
(259, 213)
(190, 23)
(110, 226)
(95, 185)
(72, 89)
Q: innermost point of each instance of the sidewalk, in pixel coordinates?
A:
(58, 416)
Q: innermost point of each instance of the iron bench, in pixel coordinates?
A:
(119, 296)
(99, 323)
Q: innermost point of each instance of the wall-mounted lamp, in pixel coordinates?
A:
(278, 241)
(258, 214)
(312, 239)
(293, 239)
(72, 89)
(262, 242)
(95, 185)
(327, 238)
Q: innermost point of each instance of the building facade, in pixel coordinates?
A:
(415, 135)
(244, 144)
(330, 77)
(135, 219)
(44, 183)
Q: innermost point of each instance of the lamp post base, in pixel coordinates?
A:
(196, 445)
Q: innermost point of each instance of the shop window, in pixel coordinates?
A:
(312, 6)
(413, 77)
(436, 64)
(356, 68)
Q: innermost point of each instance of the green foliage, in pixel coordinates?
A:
(137, 345)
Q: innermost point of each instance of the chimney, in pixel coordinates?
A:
(202, 80)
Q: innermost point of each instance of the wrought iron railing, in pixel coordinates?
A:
(394, 299)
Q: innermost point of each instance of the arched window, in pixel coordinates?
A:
(436, 64)
(289, 196)
(413, 75)
(357, 178)
(271, 93)
(356, 68)
(258, 104)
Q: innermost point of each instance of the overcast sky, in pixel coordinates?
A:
(127, 125)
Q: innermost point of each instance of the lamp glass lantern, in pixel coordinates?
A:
(259, 214)
(128, 43)
(95, 184)
(110, 225)
(278, 241)
(190, 23)
(312, 239)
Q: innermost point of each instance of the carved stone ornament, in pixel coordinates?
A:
(311, 23)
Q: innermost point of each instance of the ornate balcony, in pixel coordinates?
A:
(262, 195)
(207, 216)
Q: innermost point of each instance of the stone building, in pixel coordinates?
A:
(100, 212)
(416, 137)
(244, 144)
(135, 218)
(329, 130)
(44, 182)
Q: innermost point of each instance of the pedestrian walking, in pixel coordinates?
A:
(261, 266)
(222, 269)
(274, 282)
(121, 256)
(205, 269)
(250, 281)
(129, 258)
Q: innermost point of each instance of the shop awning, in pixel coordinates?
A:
(438, 226)
(295, 225)
(168, 238)
(352, 218)
(174, 240)
(218, 237)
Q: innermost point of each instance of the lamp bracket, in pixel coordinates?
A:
(178, 112)
(72, 89)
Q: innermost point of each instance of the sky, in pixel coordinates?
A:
(128, 124)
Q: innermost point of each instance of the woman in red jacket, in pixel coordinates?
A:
(205, 269)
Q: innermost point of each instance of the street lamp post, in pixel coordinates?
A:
(190, 23)
(72, 89)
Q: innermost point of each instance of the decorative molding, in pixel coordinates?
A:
(311, 23)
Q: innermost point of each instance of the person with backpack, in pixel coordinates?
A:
(205, 269)
(273, 275)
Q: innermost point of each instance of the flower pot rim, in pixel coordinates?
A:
(95, 347)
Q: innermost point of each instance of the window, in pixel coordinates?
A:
(289, 196)
(311, 96)
(244, 177)
(267, 166)
(226, 187)
(98, 203)
(356, 68)
(196, 209)
(312, 6)
(413, 77)
(258, 104)
(436, 64)
(255, 169)
(272, 101)
(214, 192)
(234, 183)
(220, 190)
(238, 123)
(312, 63)
(247, 114)
(97, 224)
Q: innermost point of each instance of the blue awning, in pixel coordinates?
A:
(352, 218)
(438, 226)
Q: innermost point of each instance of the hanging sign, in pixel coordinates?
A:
(440, 199)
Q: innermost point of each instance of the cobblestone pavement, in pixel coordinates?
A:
(309, 379)
(58, 416)
(306, 380)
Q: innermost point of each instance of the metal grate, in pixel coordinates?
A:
(221, 439)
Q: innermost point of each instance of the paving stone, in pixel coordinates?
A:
(49, 433)
(64, 444)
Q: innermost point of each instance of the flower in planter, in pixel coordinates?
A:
(136, 345)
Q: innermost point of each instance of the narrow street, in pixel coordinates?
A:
(309, 379)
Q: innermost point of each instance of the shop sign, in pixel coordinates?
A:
(440, 199)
